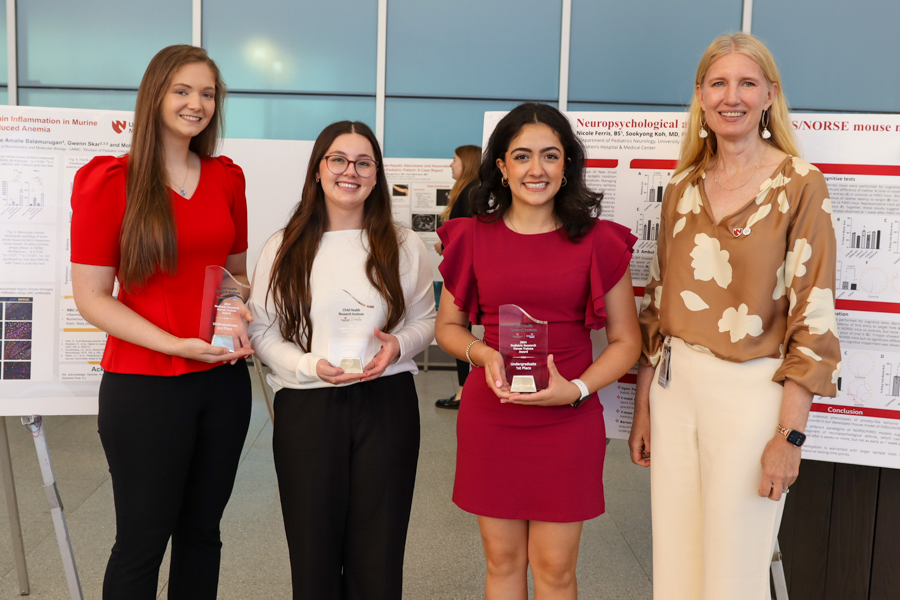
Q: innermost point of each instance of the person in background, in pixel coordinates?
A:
(174, 410)
(343, 300)
(739, 331)
(531, 465)
(465, 165)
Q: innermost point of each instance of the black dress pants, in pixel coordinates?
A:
(346, 462)
(173, 445)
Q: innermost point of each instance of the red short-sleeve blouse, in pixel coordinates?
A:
(209, 226)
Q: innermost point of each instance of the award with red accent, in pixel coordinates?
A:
(220, 317)
(524, 347)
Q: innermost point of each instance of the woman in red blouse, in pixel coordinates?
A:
(173, 410)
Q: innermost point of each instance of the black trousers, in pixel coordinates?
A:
(346, 463)
(173, 445)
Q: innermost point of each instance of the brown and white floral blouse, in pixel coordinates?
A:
(758, 284)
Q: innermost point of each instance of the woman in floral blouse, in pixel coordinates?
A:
(739, 331)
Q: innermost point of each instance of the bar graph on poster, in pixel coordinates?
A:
(632, 156)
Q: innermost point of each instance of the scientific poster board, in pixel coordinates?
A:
(631, 157)
(50, 361)
(420, 191)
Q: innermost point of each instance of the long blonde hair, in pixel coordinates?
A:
(698, 152)
(470, 157)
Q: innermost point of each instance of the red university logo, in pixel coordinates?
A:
(119, 126)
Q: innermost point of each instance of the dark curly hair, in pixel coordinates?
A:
(575, 205)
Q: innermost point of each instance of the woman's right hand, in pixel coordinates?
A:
(439, 248)
(495, 372)
(328, 373)
(197, 349)
(639, 439)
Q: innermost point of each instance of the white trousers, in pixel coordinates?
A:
(713, 535)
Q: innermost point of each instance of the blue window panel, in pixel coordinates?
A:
(105, 43)
(434, 128)
(4, 75)
(643, 51)
(834, 55)
(593, 106)
(258, 116)
(97, 99)
(4, 95)
(298, 46)
(473, 48)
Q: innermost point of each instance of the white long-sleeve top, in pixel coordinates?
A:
(345, 309)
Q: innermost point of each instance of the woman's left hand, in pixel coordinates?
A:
(390, 350)
(781, 465)
(559, 391)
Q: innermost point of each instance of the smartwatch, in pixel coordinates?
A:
(793, 436)
(585, 392)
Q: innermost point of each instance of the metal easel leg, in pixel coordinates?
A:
(12, 507)
(257, 366)
(34, 426)
(781, 592)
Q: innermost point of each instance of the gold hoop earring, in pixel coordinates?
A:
(504, 182)
(564, 182)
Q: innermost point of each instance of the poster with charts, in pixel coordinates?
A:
(420, 191)
(50, 361)
(49, 355)
(632, 156)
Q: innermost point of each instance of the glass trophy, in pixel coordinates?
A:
(524, 347)
(351, 337)
(220, 318)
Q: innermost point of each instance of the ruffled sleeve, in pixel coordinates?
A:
(98, 207)
(236, 196)
(457, 268)
(611, 253)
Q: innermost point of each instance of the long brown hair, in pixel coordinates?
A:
(699, 152)
(148, 243)
(292, 269)
(470, 157)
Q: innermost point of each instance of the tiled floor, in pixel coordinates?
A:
(443, 559)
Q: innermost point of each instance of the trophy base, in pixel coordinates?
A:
(223, 341)
(523, 384)
(351, 365)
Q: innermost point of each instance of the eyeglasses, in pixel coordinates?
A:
(337, 164)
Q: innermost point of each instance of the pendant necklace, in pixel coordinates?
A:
(186, 173)
(755, 171)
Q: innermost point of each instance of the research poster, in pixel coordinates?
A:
(420, 191)
(50, 360)
(632, 156)
(48, 349)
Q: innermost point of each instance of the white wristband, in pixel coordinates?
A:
(585, 392)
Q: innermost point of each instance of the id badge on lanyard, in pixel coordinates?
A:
(665, 363)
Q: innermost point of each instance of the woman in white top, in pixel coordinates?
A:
(342, 301)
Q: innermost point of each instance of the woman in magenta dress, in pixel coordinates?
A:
(531, 465)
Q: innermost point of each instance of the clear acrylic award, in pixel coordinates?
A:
(220, 318)
(524, 347)
(351, 339)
